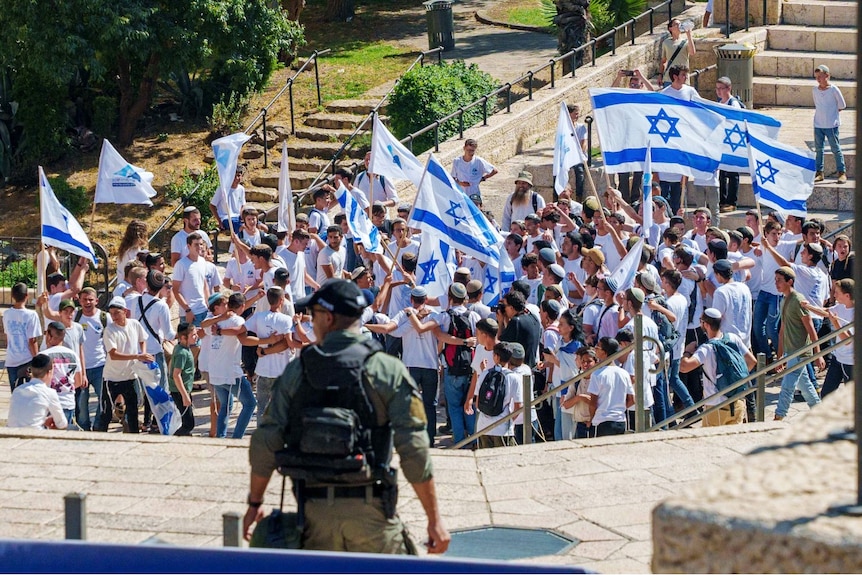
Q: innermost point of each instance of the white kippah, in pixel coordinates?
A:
(712, 312)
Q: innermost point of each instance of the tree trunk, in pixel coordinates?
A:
(133, 103)
(293, 8)
(339, 10)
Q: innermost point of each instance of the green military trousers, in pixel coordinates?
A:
(353, 524)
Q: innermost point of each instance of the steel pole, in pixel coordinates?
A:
(640, 424)
(527, 389)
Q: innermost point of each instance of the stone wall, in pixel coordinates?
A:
(755, 13)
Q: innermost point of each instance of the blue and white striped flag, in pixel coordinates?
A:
(567, 150)
(498, 279)
(442, 209)
(782, 176)
(59, 227)
(646, 194)
(734, 156)
(623, 277)
(389, 157)
(363, 230)
(435, 265)
(685, 137)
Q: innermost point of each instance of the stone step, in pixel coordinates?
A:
(798, 64)
(824, 39)
(312, 149)
(337, 121)
(269, 179)
(359, 107)
(819, 13)
(795, 92)
(322, 134)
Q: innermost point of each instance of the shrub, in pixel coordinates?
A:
(431, 92)
(73, 198)
(104, 115)
(19, 271)
(227, 114)
(186, 188)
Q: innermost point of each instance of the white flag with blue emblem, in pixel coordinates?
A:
(119, 182)
(59, 228)
(226, 152)
(782, 176)
(734, 156)
(623, 277)
(435, 265)
(390, 158)
(567, 150)
(685, 137)
(441, 208)
(498, 279)
(646, 193)
(286, 209)
(363, 230)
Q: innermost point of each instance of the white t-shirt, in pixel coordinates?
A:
(94, 348)
(20, 326)
(472, 171)
(265, 324)
(418, 350)
(705, 354)
(514, 394)
(733, 300)
(199, 279)
(678, 304)
(159, 318)
(240, 274)
(844, 354)
(686, 92)
(382, 193)
(769, 265)
(609, 248)
(295, 264)
(235, 198)
(331, 257)
(611, 384)
(223, 357)
(574, 267)
(521, 211)
(756, 274)
(827, 104)
(520, 372)
(812, 283)
(126, 340)
(179, 245)
(66, 365)
(32, 402)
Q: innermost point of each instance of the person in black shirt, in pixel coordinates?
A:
(520, 325)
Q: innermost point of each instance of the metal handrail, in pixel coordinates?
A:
(835, 232)
(695, 75)
(758, 373)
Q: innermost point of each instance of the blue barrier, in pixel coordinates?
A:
(30, 556)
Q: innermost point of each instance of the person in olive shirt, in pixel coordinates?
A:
(797, 331)
(346, 522)
(183, 376)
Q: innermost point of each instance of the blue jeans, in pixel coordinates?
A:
(830, 134)
(678, 387)
(561, 429)
(796, 380)
(235, 222)
(582, 431)
(426, 379)
(455, 388)
(818, 322)
(837, 374)
(17, 375)
(82, 398)
(350, 259)
(224, 394)
(767, 315)
(662, 408)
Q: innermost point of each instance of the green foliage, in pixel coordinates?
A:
(549, 10)
(74, 198)
(601, 19)
(196, 190)
(104, 115)
(9, 128)
(432, 92)
(605, 14)
(227, 115)
(20, 271)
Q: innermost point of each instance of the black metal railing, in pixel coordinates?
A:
(694, 75)
(262, 115)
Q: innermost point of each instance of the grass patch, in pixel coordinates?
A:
(527, 16)
(355, 69)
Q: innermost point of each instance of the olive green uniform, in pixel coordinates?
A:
(352, 524)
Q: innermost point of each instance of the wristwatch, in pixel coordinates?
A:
(188, 310)
(263, 351)
(253, 504)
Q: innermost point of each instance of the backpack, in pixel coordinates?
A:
(103, 317)
(459, 357)
(667, 333)
(738, 101)
(492, 393)
(338, 432)
(730, 366)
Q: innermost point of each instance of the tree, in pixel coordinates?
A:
(122, 47)
(339, 10)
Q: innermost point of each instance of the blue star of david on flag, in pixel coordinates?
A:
(429, 268)
(490, 281)
(452, 211)
(771, 172)
(735, 138)
(671, 132)
(128, 172)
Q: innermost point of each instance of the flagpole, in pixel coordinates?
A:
(394, 257)
(92, 216)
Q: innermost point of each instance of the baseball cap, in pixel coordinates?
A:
(595, 254)
(65, 303)
(339, 296)
(457, 290)
(822, 68)
(118, 302)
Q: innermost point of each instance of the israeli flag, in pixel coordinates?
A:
(363, 230)
(164, 409)
(782, 176)
(435, 267)
(646, 193)
(685, 137)
(286, 209)
(390, 158)
(498, 279)
(443, 209)
(623, 277)
(226, 151)
(567, 150)
(734, 156)
(59, 228)
(119, 182)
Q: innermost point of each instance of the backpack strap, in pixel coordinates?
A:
(144, 317)
(675, 54)
(535, 198)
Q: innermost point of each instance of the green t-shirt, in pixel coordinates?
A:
(183, 360)
(795, 336)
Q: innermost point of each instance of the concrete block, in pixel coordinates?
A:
(764, 92)
(795, 65)
(840, 14)
(793, 38)
(835, 40)
(793, 94)
(803, 14)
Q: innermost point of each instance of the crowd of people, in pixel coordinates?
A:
(708, 298)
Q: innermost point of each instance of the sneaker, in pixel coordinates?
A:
(727, 208)
(778, 418)
(842, 178)
(818, 177)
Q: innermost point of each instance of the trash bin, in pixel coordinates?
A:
(736, 61)
(441, 24)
